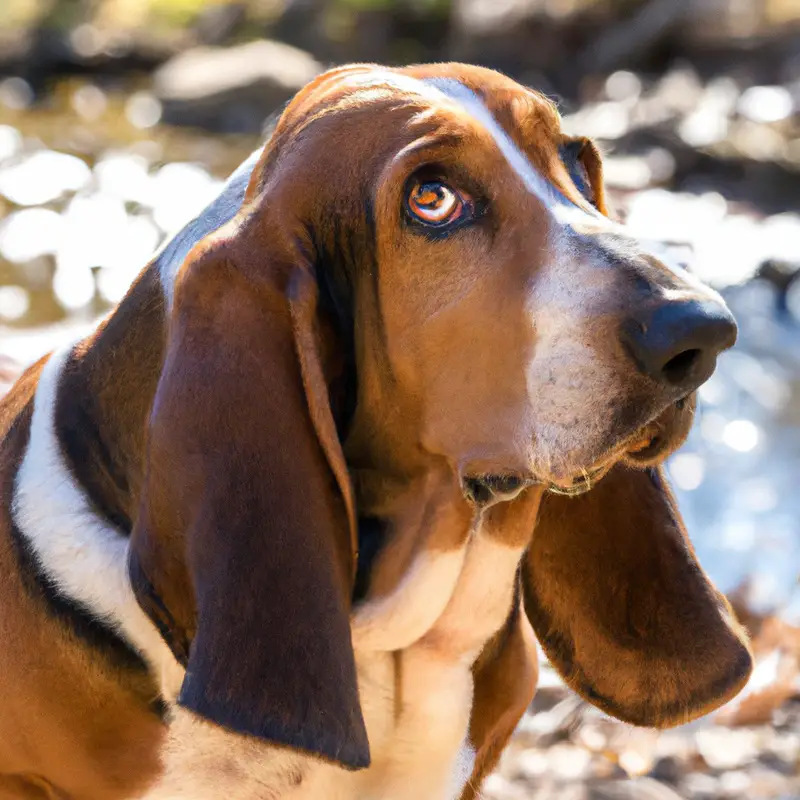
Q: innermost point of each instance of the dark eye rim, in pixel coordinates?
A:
(470, 208)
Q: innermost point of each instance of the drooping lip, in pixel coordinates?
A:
(650, 443)
(647, 443)
(580, 484)
(641, 441)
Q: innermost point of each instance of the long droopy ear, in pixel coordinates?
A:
(243, 551)
(622, 608)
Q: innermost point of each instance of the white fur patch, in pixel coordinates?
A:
(563, 210)
(481, 600)
(462, 769)
(214, 216)
(82, 553)
(203, 761)
(402, 617)
(421, 748)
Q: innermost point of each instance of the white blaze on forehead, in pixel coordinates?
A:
(563, 210)
(214, 216)
(395, 80)
(571, 218)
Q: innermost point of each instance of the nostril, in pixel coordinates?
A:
(679, 367)
(677, 342)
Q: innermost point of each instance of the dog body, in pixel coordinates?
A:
(86, 682)
(88, 713)
(280, 527)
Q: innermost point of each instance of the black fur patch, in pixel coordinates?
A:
(371, 537)
(86, 453)
(95, 633)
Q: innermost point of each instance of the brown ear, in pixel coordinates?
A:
(622, 608)
(585, 166)
(244, 547)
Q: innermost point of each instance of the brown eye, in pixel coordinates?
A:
(435, 203)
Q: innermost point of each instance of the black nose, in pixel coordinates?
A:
(677, 342)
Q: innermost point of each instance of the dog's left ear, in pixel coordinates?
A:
(243, 552)
(623, 609)
(582, 160)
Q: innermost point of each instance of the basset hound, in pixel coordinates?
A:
(286, 523)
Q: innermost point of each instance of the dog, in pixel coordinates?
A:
(285, 524)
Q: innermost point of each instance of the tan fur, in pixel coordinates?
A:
(416, 702)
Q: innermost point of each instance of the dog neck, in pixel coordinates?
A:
(103, 401)
(76, 489)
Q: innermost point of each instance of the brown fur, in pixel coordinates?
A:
(74, 717)
(324, 362)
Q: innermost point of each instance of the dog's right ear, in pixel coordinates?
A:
(243, 550)
(623, 609)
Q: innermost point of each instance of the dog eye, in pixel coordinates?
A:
(435, 203)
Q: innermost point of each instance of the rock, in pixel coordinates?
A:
(787, 718)
(592, 737)
(642, 789)
(735, 783)
(570, 791)
(635, 748)
(9, 370)
(775, 678)
(231, 89)
(498, 788)
(724, 749)
(568, 763)
(531, 764)
(551, 726)
(767, 784)
(668, 769)
(698, 786)
(785, 749)
(547, 697)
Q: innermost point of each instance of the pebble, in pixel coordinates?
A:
(497, 787)
(642, 789)
(568, 762)
(726, 749)
(699, 786)
(667, 770)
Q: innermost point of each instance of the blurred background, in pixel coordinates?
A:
(120, 118)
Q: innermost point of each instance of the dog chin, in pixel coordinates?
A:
(649, 444)
(663, 436)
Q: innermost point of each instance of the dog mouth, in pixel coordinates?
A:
(650, 444)
(580, 484)
(663, 435)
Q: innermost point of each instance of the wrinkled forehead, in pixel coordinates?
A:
(521, 126)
